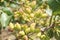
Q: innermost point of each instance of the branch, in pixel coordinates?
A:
(46, 28)
(50, 26)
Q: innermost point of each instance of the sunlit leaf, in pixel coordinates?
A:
(5, 19)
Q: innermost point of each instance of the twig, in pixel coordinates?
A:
(51, 25)
(46, 28)
(30, 38)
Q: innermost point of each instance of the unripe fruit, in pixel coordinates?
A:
(32, 15)
(17, 12)
(16, 15)
(39, 34)
(17, 26)
(27, 30)
(22, 33)
(43, 36)
(25, 37)
(28, 10)
(33, 24)
(33, 4)
(32, 27)
(24, 27)
(38, 11)
(42, 22)
(27, 3)
(44, 15)
(11, 25)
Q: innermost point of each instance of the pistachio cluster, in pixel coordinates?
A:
(30, 19)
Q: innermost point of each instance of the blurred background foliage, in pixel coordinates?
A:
(31, 19)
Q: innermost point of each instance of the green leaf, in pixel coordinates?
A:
(55, 6)
(50, 33)
(13, 5)
(5, 19)
(57, 35)
(7, 11)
